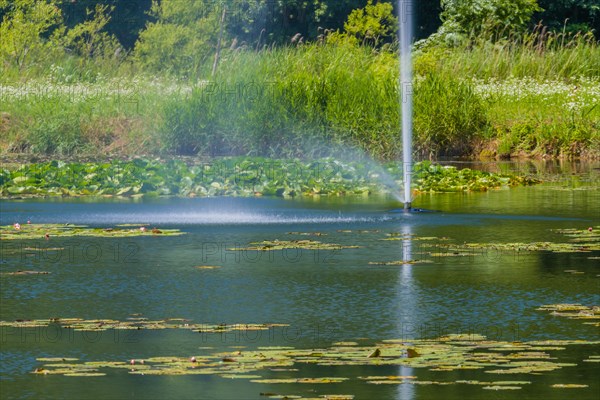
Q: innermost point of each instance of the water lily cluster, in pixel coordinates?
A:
(242, 176)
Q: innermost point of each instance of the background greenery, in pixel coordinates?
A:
(297, 78)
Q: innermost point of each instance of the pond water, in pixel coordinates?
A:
(325, 296)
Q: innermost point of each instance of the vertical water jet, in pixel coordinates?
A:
(406, 93)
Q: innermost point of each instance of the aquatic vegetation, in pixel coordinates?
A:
(495, 383)
(445, 354)
(500, 387)
(50, 231)
(358, 231)
(137, 323)
(581, 235)
(395, 236)
(432, 248)
(451, 253)
(321, 397)
(301, 380)
(269, 245)
(581, 241)
(569, 386)
(574, 311)
(400, 262)
(434, 178)
(19, 272)
(593, 359)
(307, 233)
(242, 176)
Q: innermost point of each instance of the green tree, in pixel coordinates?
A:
(183, 37)
(89, 38)
(34, 32)
(127, 19)
(27, 30)
(373, 24)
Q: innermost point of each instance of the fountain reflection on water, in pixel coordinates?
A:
(408, 304)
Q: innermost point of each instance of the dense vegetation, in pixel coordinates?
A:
(242, 176)
(289, 79)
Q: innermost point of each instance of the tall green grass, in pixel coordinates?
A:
(320, 99)
(540, 54)
(314, 98)
(53, 118)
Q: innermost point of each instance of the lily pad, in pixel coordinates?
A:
(307, 233)
(86, 374)
(501, 387)
(389, 377)
(239, 376)
(26, 273)
(569, 386)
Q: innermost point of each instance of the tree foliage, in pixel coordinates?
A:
(372, 24)
(181, 35)
(34, 31)
(127, 18)
(182, 38)
(491, 19)
(23, 26)
(89, 38)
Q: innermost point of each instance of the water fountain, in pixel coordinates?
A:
(405, 20)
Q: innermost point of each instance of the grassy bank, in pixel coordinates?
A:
(533, 98)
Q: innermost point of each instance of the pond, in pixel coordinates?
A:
(313, 296)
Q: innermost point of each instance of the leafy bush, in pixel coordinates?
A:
(490, 19)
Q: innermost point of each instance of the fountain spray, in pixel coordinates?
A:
(406, 93)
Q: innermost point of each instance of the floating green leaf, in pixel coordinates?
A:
(569, 386)
(25, 273)
(501, 387)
